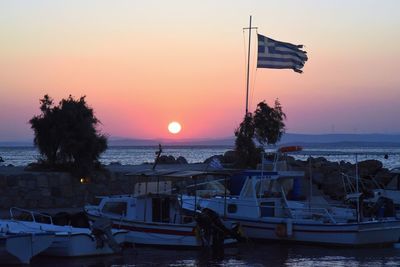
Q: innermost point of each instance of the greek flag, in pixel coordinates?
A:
(279, 55)
(215, 164)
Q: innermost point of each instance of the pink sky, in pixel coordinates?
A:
(142, 64)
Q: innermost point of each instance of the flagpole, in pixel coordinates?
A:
(248, 71)
(248, 67)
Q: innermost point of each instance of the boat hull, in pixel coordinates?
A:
(80, 244)
(68, 241)
(20, 248)
(158, 234)
(340, 234)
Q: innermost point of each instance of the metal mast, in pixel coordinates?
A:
(248, 67)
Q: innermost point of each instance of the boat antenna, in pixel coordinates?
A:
(248, 66)
(158, 153)
(357, 190)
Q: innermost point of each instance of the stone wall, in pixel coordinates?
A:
(57, 190)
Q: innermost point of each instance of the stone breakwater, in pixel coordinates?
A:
(41, 190)
(57, 189)
(334, 179)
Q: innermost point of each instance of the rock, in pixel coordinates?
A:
(230, 156)
(3, 181)
(67, 191)
(181, 160)
(6, 202)
(166, 159)
(329, 167)
(45, 203)
(54, 181)
(334, 190)
(65, 179)
(22, 183)
(33, 195)
(45, 192)
(55, 191)
(32, 204)
(318, 177)
(42, 181)
(384, 177)
(316, 162)
(31, 184)
(218, 157)
(12, 181)
(369, 167)
(61, 202)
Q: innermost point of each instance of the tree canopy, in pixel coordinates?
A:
(268, 123)
(266, 126)
(66, 134)
(245, 147)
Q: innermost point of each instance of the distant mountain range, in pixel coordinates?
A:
(307, 140)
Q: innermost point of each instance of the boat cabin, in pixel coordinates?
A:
(156, 198)
(146, 208)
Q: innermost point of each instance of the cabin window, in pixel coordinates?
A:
(160, 211)
(117, 208)
(232, 208)
(267, 209)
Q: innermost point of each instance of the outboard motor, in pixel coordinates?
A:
(101, 229)
(212, 229)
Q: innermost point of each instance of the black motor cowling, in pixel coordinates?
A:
(101, 229)
(213, 231)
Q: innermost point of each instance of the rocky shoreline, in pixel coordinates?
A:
(29, 189)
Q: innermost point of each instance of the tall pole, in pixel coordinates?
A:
(358, 196)
(248, 71)
(248, 67)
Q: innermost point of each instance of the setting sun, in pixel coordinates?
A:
(174, 127)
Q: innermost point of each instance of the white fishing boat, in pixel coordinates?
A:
(153, 215)
(68, 241)
(264, 212)
(381, 200)
(20, 248)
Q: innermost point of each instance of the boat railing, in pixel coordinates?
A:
(286, 212)
(349, 183)
(31, 213)
(315, 213)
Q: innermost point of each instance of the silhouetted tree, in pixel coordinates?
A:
(266, 126)
(246, 150)
(66, 134)
(268, 123)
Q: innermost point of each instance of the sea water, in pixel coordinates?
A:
(131, 155)
(271, 254)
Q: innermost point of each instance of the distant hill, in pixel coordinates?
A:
(341, 140)
(22, 143)
(335, 138)
(184, 142)
(306, 140)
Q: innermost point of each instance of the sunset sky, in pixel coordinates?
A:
(143, 64)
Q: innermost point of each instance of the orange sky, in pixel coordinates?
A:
(142, 64)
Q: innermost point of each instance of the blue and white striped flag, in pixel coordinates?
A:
(279, 55)
(215, 164)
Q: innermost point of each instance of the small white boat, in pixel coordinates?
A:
(153, 215)
(69, 241)
(380, 200)
(20, 248)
